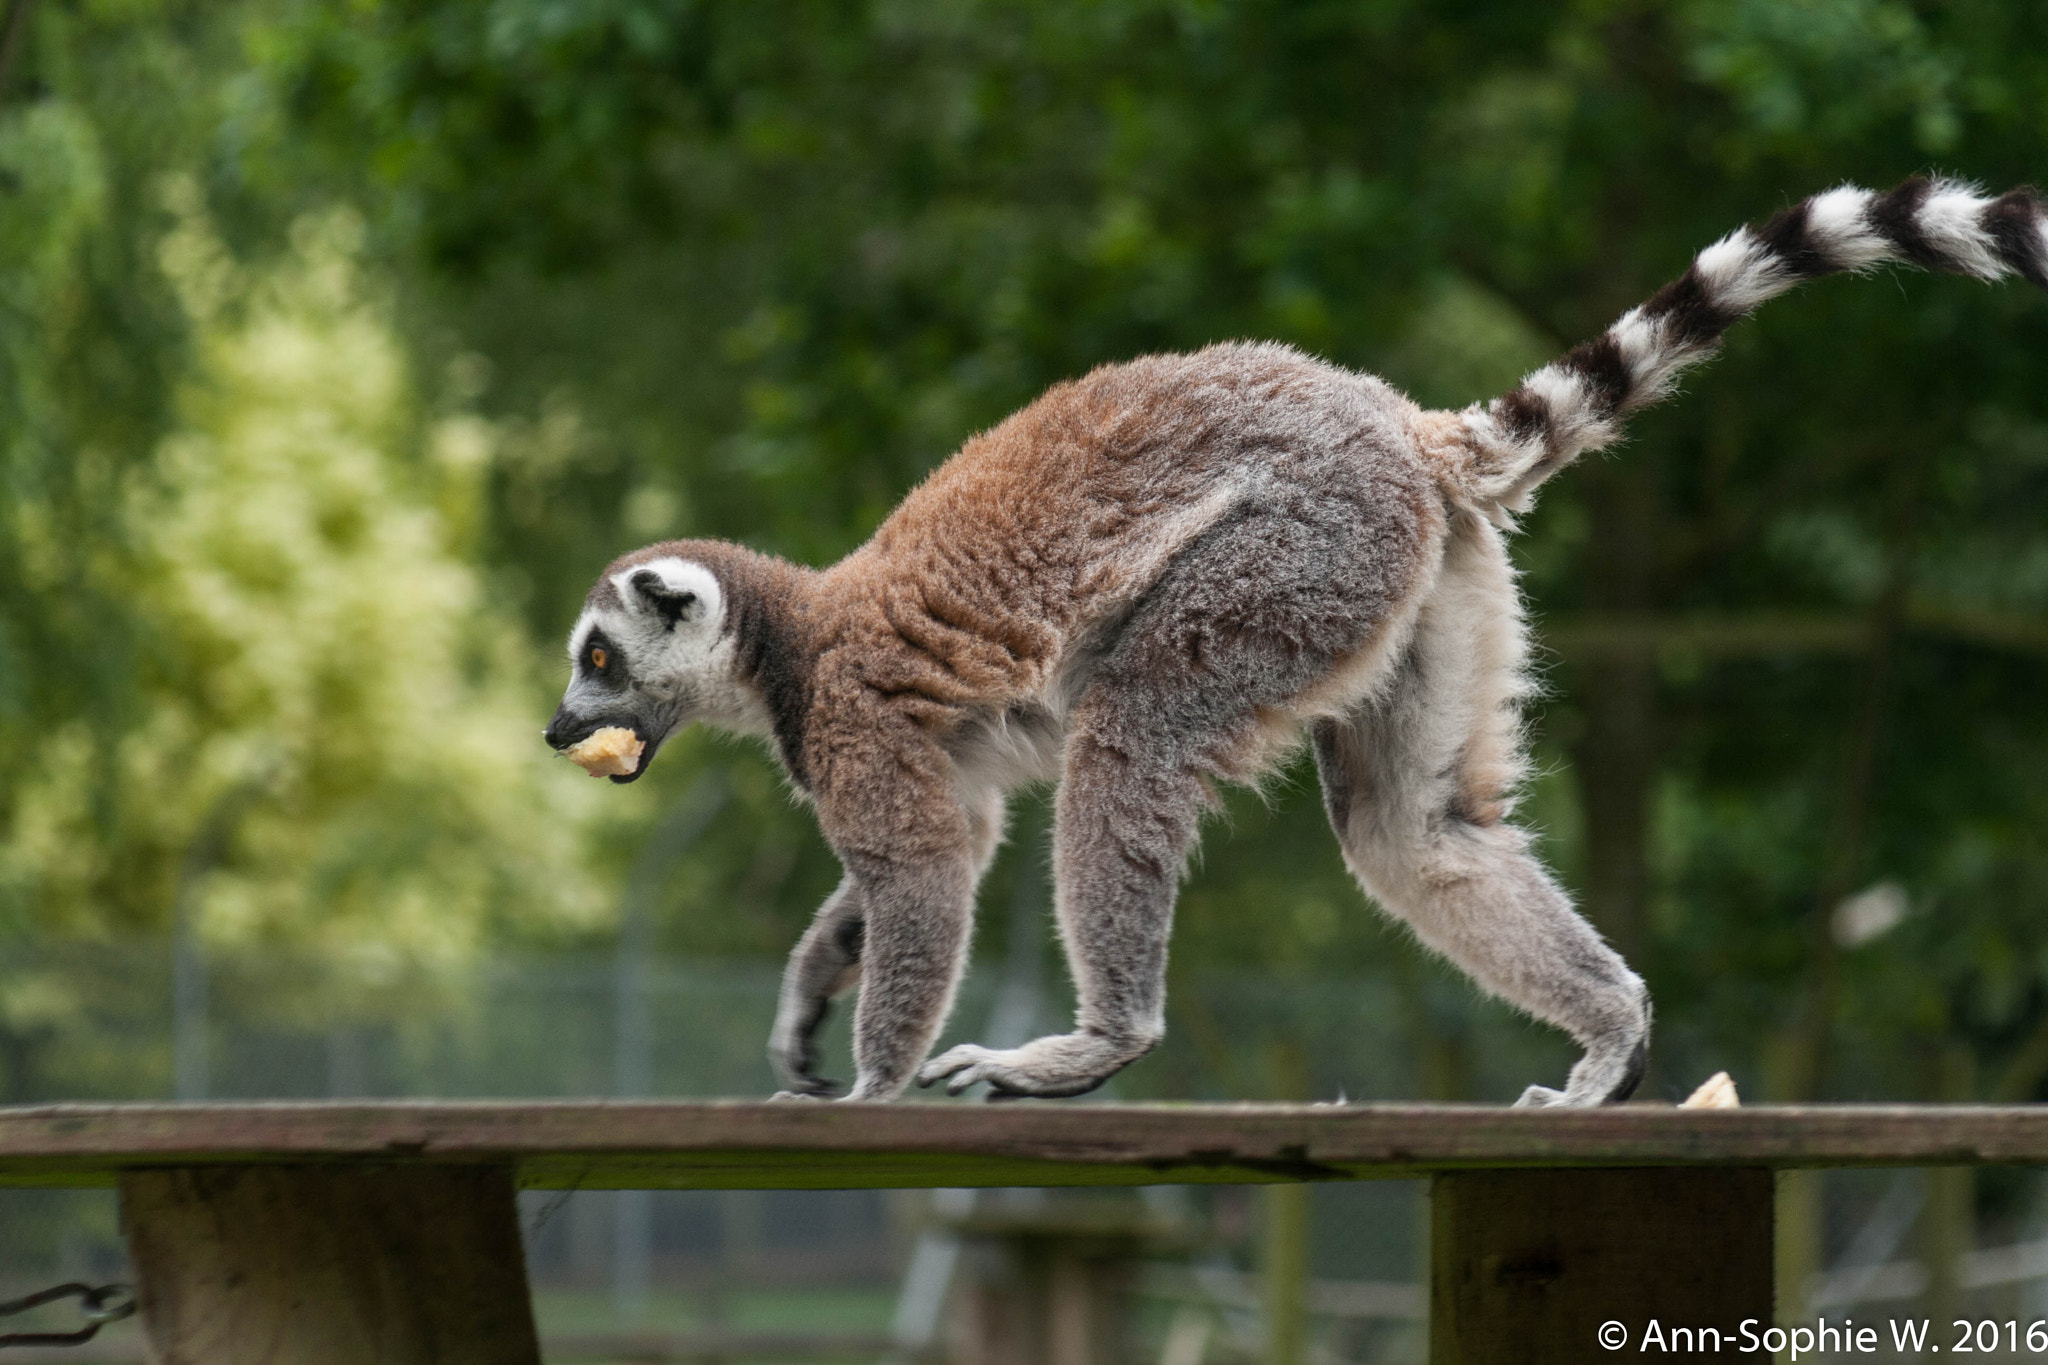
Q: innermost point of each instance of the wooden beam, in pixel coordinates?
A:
(1561, 1267)
(282, 1265)
(749, 1145)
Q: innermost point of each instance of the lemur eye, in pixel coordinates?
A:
(598, 657)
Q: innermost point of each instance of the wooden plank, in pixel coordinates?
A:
(738, 1145)
(297, 1265)
(1560, 1267)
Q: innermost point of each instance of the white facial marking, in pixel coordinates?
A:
(677, 576)
(668, 635)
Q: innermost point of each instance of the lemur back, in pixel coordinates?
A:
(1006, 572)
(1168, 572)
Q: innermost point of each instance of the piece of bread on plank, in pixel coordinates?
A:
(1716, 1092)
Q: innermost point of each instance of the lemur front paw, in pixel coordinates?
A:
(1008, 1075)
(795, 1062)
(1048, 1068)
(1543, 1097)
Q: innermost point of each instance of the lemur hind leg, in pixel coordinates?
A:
(1262, 607)
(1418, 782)
(826, 961)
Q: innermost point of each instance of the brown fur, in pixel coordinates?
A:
(1129, 534)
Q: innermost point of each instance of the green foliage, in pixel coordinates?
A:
(321, 667)
(634, 268)
(249, 662)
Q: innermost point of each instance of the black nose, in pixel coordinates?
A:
(553, 734)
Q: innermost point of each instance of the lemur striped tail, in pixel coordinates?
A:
(1577, 402)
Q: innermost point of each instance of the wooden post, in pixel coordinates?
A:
(1527, 1267)
(1285, 1266)
(335, 1265)
(1043, 1296)
(1047, 1280)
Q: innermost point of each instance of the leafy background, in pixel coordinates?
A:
(342, 340)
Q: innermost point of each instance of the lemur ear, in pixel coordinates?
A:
(673, 604)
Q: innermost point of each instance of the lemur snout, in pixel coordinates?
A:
(566, 729)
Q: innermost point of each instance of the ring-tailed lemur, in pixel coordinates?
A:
(1160, 574)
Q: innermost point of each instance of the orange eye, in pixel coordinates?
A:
(598, 658)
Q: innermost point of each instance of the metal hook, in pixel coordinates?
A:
(97, 1305)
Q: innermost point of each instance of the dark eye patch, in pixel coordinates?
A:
(601, 657)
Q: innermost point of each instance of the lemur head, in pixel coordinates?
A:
(655, 650)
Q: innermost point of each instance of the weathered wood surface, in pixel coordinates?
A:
(740, 1145)
(1527, 1267)
(284, 1265)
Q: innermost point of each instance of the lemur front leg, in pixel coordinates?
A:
(890, 805)
(1123, 830)
(913, 951)
(827, 960)
(824, 963)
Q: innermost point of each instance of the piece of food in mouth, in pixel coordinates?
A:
(612, 752)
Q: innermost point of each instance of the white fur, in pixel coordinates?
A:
(1641, 343)
(1571, 409)
(1471, 890)
(1654, 362)
(1004, 750)
(1497, 497)
(1559, 388)
(1740, 273)
(1838, 224)
(680, 575)
(1952, 218)
(690, 668)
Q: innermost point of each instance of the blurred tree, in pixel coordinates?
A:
(247, 664)
(319, 635)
